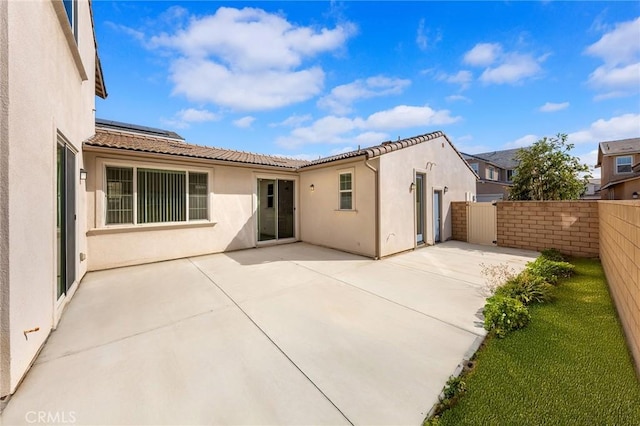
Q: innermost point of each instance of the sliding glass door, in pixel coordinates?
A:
(276, 209)
(66, 219)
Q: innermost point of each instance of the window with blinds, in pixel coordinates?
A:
(160, 196)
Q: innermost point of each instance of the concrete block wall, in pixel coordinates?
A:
(459, 220)
(620, 256)
(569, 226)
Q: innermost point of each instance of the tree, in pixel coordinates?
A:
(548, 172)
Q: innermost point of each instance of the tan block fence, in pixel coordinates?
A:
(589, 228)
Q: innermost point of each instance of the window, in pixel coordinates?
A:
(475, 168)
(198, 193)
(269, 195)
(510, 174)
(160, 196)
(71, 7)
(623, 164)
(491, 173)
(346, 191)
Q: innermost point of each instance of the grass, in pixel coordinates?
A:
(570, 366)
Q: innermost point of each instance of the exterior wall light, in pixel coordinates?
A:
(446, 189)
(83, 174)
(412, 187)
(635, 195)
(312, 187)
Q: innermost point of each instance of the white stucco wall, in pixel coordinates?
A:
(323, 223)
(46, 95)
(232, 207)
(397, 203)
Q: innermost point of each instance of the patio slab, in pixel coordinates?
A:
(289, 334)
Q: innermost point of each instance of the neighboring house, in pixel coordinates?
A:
(620, 175)
(152, 197)
(495, 171)
(592, 190)
(49, 77)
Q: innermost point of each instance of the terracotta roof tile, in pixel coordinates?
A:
(132, 141)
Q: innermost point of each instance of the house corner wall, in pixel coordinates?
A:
(5, 349)
(321, 221)
(443, 167)
(49, 95)
(620, 256)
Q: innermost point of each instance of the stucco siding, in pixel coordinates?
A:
(322, 221)
(47, 95)
(442, 166)
(231, 224)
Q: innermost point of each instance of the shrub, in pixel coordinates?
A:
(527, 288)
(550, 270)
(504, 314)
(553, 254)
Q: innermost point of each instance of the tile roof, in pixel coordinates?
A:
(108, 137)
(505, 159)
(622, 146)
(378, 150)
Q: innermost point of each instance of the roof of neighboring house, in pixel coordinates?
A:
(619, 147)
(621, 180)
(150, 141)
(505, 159)
(135, 128)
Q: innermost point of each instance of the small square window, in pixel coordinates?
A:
(475, 168)
(624, 164)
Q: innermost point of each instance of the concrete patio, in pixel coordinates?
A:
(288, 334)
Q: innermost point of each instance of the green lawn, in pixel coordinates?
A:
(570, 366)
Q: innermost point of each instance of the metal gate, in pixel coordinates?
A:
(482, 222)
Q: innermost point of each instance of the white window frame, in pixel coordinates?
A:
(491, 173)
(101, 192)
(351, 172)
(475, 167)
(617, 166)
(72, 15)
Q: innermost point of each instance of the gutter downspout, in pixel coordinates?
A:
(377, 207)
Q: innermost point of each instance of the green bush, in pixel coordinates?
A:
(504, 314)
(550, 270)
(527, 288)
(553, 254)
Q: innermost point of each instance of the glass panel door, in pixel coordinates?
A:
(276, 209)
(60, 255)
(285, 209)
(65, 219)
(420, 208)
(437, 215)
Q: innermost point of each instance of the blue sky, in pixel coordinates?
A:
(309, 79)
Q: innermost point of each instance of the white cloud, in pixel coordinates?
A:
(590, 158)
(620, 51)
(553, 107)
(455, 98)
(522, 142)
(503, 67)
(462, 77)
(483, 54)
(293, 121)
(222, 59)
(620, 127)
(183, 118)
(421, 37)
(513, 68)
(244, 122)
(342, 130)
(341, 98)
